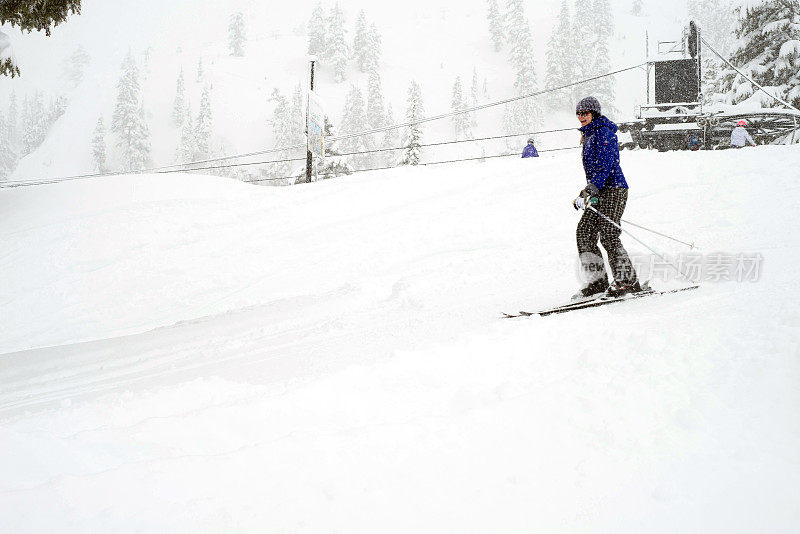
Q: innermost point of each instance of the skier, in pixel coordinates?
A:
(607, 193)
(740, 137)
(530, 151)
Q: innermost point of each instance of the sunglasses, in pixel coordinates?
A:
(583, 113)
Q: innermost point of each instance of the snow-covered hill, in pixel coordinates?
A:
(187, 353)
(430, 42)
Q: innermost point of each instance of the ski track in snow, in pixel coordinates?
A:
(200, 355)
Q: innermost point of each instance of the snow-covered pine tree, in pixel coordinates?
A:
(34, 124)
(179, 103)
(316, 32)
(99, 152)
(604, 27)
(376, 114)
(139, 155)
(560, 68)
(200, 72)
(75, 66)
(372, 54)
(461, 120)
(282, 133)
(57, 108)
(203, 126)
(717, 21)
(524, 115)
(13, 117)
(375, 109)
(7, 157)
(186, 144)
(473, 98)
(237, 35)
(298, 115)
(495, 25)
(636, 8)
(412, 139)
(360, 41)
(582, 46)
(127, 122)
(354, 120)
(337, 51)
(768, 34)
(389, 138)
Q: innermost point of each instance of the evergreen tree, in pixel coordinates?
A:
(413, 136)
(354, 120)
(179, 104)
(13, 117)
(636, 8)
(298, 115)
(139, 155)
(582, 46)
(75, 66)
(461, 120)
(337, 51)
(127, 122)
(523, 115)
(495, 25)
(560, 61)
(389, 137)
(203, 126)
(317, 44)
(375, 109)
(604, 26)
(28, 16)
(376, 113)
(200, 72)
(186, 145)
(99, 146)
(7, 156)
(717, 21)
(372, 53)
(473, 98)
(237, 35)
(34, 123)
(768, 34)
(282, 132)
(360, 42)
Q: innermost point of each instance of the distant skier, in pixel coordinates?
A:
(530, 151)
(740, 137)
(606, 192)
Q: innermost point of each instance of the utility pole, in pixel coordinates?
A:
(309, 156)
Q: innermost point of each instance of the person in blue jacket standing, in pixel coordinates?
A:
(530, 151)
(606, 192)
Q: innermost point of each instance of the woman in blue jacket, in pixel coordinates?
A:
(606, 192)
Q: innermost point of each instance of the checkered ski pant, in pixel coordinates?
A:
(592, 228)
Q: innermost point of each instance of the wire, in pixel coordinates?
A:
(354, 171)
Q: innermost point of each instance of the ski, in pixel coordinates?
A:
(595, 302)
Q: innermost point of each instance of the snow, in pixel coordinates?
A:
(5, 47)
(189, 353)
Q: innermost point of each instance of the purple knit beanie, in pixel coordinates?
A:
(589, 103)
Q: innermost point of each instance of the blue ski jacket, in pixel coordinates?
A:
(530, 152)
(601, 154)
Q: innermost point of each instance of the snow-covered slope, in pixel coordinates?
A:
(430, 42)
(214, 356)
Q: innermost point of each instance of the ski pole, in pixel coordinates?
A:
(691, 246)
(685, 276)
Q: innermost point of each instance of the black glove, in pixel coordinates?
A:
(591, 194)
